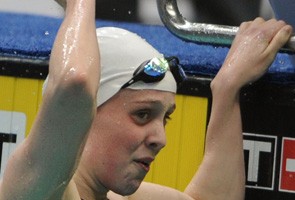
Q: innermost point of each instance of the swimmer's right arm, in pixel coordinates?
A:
(44, 163)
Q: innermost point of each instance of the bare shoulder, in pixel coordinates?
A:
(114, 196)
(151, 191)
(71, 192)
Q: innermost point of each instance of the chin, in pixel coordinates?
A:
(128, 189)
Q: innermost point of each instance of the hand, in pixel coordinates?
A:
(252, 52)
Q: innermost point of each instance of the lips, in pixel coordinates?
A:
(144, 163)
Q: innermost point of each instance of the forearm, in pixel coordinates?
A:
(49, 156)
(221, 175)
(75, 55)
(69, 102)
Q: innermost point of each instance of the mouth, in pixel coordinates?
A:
(144, 163)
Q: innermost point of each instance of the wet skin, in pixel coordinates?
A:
(127, 134)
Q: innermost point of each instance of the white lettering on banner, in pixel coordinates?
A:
(287, 171)
(254, 148)
(12, 131)
(260, 160)
(290, 165)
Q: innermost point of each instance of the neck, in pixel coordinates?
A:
(88, 188)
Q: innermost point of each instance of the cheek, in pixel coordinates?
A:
(122, 132)
(117, 138)
(125, 138)
(117, 147)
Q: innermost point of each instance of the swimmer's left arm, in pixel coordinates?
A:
(222, 174)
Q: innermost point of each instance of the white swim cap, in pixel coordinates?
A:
(121, 54)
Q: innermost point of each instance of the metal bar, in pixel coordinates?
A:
(216, 35)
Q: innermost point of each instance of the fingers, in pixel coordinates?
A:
(279, 39)
(254, 49)
(272, 34)
(271, 28)
(246, 25)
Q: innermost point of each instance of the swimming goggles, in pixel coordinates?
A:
(154, 70)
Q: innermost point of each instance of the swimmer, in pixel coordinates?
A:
(94, 139)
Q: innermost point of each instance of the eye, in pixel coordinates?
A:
(141, 117)
(167, 118)
(144, 115)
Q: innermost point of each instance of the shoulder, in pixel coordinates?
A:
(114, 196)
(148, 191)
(151, 191)
(70, 193)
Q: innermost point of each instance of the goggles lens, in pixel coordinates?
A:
(156, 67)
(154, 70)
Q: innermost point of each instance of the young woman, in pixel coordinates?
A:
(95, 136)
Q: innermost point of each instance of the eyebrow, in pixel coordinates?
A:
(171, 107)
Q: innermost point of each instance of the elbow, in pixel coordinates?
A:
(79, 88)
(77, 81)
(74, 84)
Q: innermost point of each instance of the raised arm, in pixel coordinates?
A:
(44, 163)
(222, 174)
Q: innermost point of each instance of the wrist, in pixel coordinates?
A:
(222, 88)
(79, 7)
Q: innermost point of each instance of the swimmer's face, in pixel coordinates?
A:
(127, 134)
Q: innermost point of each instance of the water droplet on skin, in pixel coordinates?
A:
(72, 69)
(90, 60)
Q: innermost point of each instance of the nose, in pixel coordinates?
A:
(156, 138)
